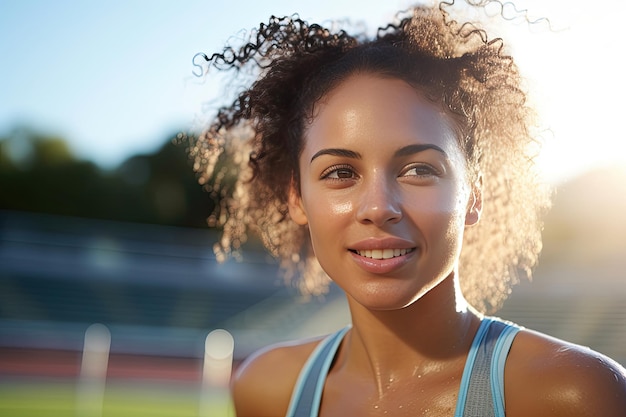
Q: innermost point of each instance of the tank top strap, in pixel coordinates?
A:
(307, 393)
(482, 385)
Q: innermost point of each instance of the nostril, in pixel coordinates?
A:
(380, 202)
(380, 216)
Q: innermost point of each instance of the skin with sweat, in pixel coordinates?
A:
(385, 194)
(382, 169)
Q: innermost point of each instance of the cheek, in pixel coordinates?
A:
(340, 208)
(327, 215)
(324, 207)
(448, 200)
(453, 214)
(439, 212)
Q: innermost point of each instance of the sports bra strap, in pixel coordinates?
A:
(307, 394)
(482, 385)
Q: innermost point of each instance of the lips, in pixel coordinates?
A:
(374, 262)
(383, 253)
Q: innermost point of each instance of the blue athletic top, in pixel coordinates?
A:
(482, 385)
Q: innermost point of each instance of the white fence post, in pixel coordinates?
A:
(93, 371)
(218, 362)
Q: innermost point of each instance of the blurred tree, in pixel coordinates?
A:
(166, 183)
(43, 175)
(39, 173)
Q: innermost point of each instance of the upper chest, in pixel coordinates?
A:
(435, 394)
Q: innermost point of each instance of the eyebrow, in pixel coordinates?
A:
(417, 148)
(407, 150)
(346, 153)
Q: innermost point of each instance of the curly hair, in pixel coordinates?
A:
(248, 155)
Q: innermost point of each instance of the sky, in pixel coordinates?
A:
(114, 78)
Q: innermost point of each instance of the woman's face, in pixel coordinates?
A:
(384, 191)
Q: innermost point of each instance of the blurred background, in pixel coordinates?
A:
(102, 221)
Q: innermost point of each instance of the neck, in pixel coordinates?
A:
(437, 328)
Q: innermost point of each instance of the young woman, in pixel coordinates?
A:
(399, 165)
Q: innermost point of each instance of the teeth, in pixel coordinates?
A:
(383, 253)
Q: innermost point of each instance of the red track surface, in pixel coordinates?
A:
(60, 363)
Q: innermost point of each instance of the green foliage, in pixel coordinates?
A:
(39, 173)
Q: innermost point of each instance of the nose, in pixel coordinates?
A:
(379, 204)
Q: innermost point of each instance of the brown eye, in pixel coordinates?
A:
(419, 170)
(343, 173)
(339, 173)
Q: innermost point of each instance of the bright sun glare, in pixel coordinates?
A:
(573, 67)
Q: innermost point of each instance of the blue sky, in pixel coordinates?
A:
(114, 78)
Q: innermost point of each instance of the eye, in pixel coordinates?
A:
(419, 170)
(339, 173)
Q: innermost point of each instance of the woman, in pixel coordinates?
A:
(401, 166)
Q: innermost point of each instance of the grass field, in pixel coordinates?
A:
(59, 399)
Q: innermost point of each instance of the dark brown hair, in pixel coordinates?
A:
(249, 154)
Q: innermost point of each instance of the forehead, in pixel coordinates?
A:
(372, 110)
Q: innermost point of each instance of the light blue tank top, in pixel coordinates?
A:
(482, 385)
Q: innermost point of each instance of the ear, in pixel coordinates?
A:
(296, 210)
(475, 203)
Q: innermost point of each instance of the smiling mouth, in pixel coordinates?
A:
(382, 253)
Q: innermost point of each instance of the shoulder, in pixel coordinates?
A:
(548, 376)
(263, 383)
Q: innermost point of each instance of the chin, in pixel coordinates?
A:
(386, 299)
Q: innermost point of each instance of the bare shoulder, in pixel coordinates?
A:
(263, 383)
(547, 376)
